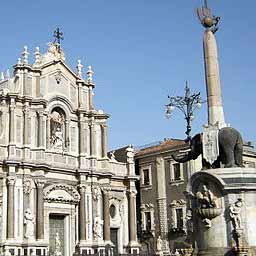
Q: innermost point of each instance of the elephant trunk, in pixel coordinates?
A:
(182, 158)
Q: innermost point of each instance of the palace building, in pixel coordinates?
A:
(60, 193)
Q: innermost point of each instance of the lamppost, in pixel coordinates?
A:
(187, 105)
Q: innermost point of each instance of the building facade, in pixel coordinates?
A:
(60, 193)
(164, 218)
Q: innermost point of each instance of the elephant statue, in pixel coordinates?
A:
(230, 150)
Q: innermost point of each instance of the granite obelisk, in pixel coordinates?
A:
(212, 74)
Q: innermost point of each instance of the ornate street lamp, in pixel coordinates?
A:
(187, 105)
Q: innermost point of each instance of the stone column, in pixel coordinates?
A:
(40, 209)
(212, 76)
(26, 131)
(10, 208)
(82, 214)
(92, 140)
(161, 203)
(40, 129)
(12, 122)
(90, 92)
(104, 140)
(106, 216)
(67, 140)
(132, 216)
(48, 132)
(82, 134)
(80, 95)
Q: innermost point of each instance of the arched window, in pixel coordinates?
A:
(57, 129)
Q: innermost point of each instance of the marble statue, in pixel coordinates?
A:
(205, 198)
(159, 244)
(235, 213)
(98, 227)
(58, 139)
(29, 222)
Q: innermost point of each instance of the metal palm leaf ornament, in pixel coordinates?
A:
(206, 18)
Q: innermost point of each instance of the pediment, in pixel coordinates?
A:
(58, 79)
(61, 193)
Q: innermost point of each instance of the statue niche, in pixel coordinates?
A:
(57, 127)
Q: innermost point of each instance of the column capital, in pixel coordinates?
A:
(106, 190)
(10, 180)
(104, 125)
(132, 193)
(40, 112)
(40, 183)
(82, 188)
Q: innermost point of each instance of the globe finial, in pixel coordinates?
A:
(206, 18)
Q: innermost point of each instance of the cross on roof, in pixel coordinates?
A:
(58, 37)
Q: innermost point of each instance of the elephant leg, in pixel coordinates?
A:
(229, 158)
(239, 155)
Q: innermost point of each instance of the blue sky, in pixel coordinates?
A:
(142, 51)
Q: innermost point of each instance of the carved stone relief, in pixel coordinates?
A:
(27, 186)
(98, 228)
(207, 205)
(73, 198)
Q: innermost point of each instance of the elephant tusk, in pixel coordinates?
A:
(185, 150)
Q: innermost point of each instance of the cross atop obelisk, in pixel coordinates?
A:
(212, 74)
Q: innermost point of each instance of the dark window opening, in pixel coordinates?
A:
(146, 180)
(177, 171)
(179, 218)
(148, 221)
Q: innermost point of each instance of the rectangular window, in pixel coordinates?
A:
(176, 171)
(146, 180)
(147, 221)
(179, 218)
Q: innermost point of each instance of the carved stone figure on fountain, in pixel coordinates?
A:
(206, 205)
(235, 214)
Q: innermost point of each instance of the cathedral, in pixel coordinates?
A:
(60, 192)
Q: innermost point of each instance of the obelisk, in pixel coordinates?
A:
(212, 74)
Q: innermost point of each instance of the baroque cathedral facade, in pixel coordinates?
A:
(60, 192)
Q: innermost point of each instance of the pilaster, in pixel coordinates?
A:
(106, 216)
(10, 206)
(40, 182)
(40, 129)
(133, 243)
(12, 151)
(82, 213)
(104, 140)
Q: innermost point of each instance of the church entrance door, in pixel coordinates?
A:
(114, 239)
(56, 235)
